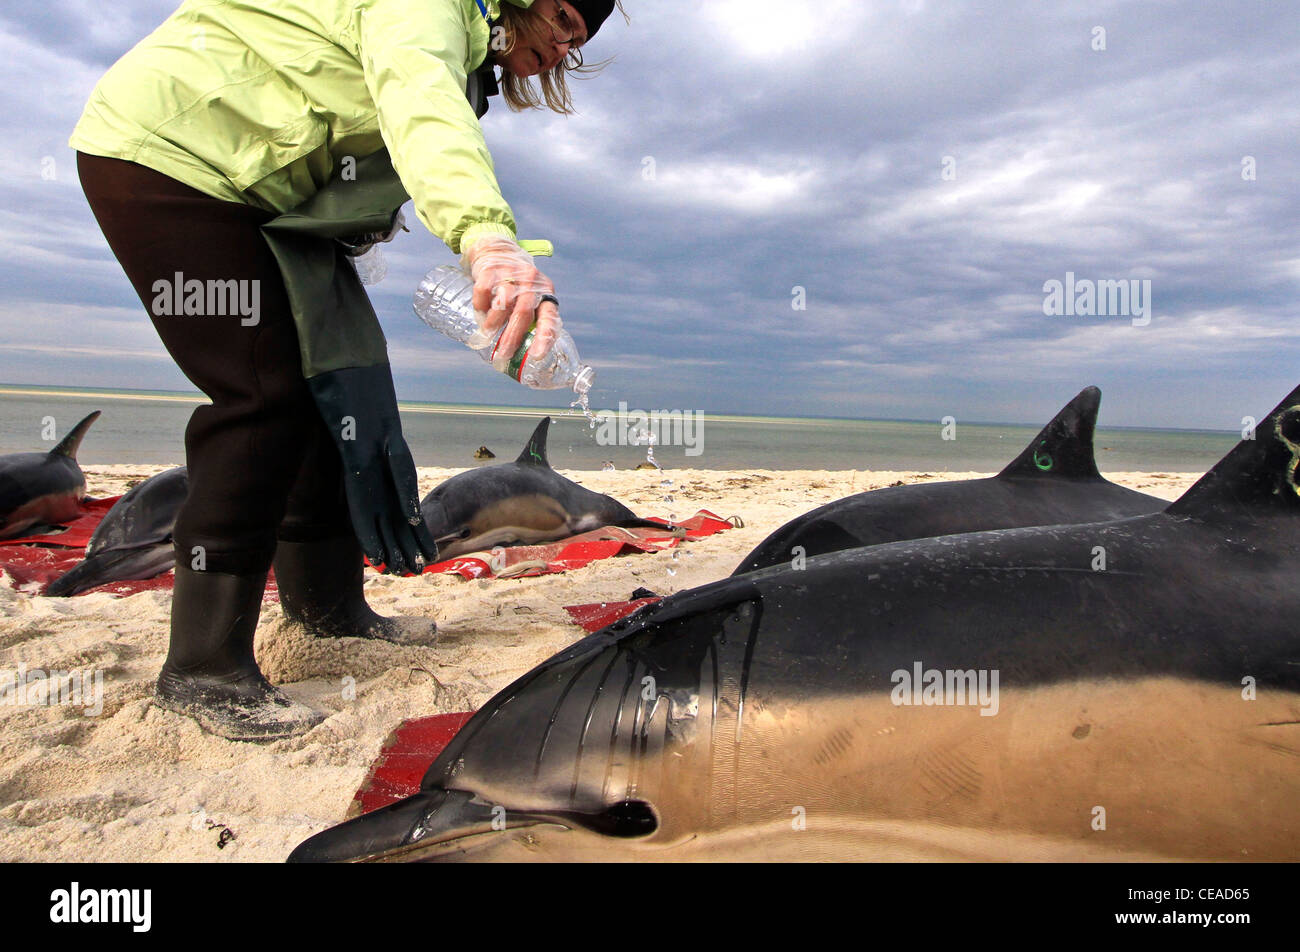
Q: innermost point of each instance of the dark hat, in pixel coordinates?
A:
(593, 13)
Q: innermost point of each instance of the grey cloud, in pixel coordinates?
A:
(815, 161)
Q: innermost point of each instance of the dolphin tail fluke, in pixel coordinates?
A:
(534, 453)
(69, 445)
(1063, 447)
(1261, 475)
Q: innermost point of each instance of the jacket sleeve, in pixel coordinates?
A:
(413, 53)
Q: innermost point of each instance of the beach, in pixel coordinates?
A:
(136, 783)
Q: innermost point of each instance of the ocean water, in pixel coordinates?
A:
(142, 427)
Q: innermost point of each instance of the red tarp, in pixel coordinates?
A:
(40, 559)
(597, 615)
(407, 754)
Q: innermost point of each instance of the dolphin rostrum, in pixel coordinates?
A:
(134, 540)
(1054, 481)
(524, 502)
(42, 488)
(1121, 689)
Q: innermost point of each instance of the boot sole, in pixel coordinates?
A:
(232, 727)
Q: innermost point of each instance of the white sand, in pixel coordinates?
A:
(137, 783)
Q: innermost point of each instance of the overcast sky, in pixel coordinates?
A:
(919, 169)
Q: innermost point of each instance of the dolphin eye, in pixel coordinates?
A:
(626, 819)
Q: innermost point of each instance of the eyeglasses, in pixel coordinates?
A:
(564, 32)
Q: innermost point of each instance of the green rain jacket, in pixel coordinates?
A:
(262, 103)
(259, 101)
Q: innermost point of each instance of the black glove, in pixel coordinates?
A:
(359, 406)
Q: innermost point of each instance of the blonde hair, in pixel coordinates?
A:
(519, 92)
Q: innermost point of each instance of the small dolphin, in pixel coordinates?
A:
(524, 502)
(1123, 689)
(1054, 481)
(134, 540)
(42, 488)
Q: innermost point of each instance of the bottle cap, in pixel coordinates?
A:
(586, 377)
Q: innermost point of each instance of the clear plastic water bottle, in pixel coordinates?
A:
(371, 265)
(445, 301)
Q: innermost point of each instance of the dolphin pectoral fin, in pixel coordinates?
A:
(676, 531)
(461, 533)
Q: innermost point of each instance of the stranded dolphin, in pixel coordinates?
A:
(1117, 689)
(521, 502)
(1054, 481)
(42, 488)
(134, 540)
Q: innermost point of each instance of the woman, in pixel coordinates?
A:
(232, 116)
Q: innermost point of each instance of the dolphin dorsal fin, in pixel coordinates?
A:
(1064, 447)
(534, 453)
(1258, 476)
(69, 445)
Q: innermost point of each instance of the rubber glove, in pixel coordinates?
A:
(513, 293)
(359, 405)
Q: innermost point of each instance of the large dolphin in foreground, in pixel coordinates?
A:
(42, 489)
(1054, 481)
(1117, 689)
(134, 540)
(521, 502)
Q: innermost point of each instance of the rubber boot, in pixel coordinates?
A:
(210, 673)
(321, 588)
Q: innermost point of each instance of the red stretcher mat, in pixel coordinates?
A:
(597, 615)
(408, 752)
(40, 559)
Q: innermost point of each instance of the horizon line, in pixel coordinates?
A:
(433, 406)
